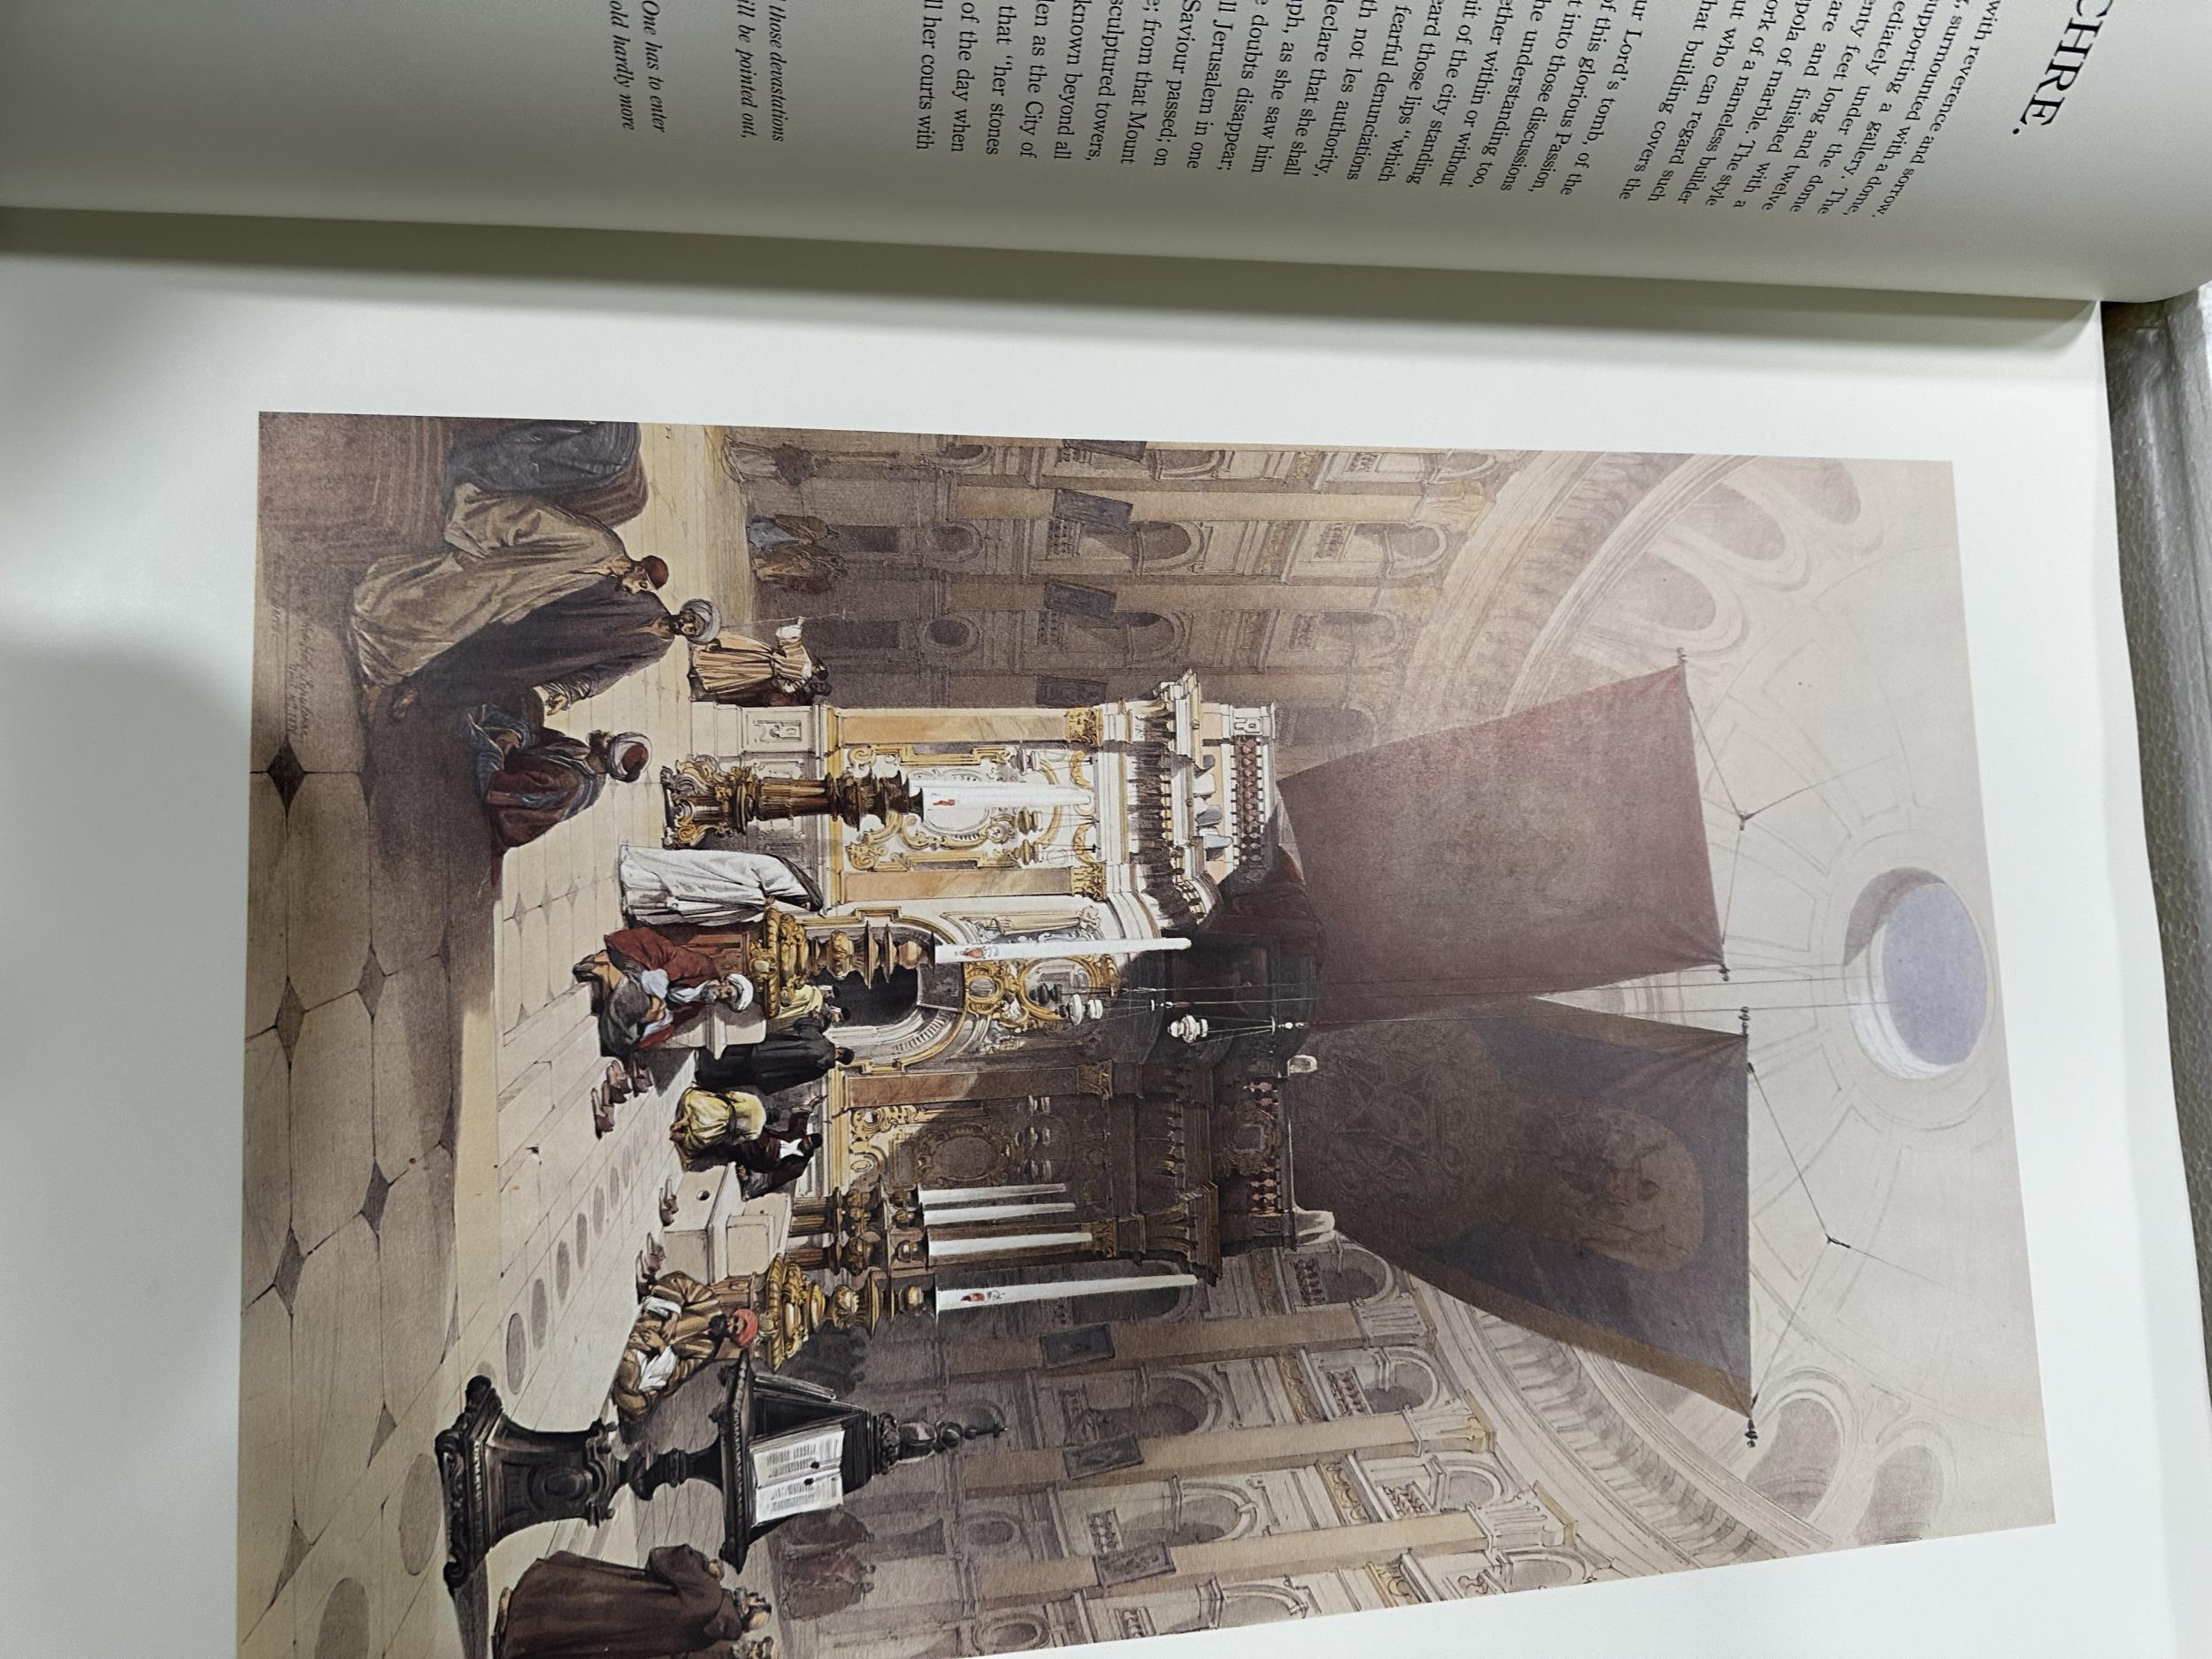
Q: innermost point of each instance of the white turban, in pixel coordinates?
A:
(710, 619)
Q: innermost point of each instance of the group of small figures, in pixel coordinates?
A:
(531, 605)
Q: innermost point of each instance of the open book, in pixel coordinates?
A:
(930, 973)
(2021, 146)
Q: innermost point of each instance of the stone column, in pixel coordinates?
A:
(949, 726)
(1211, 501)
(1321, 1549)
(1164, 1342)
(1216, 1451)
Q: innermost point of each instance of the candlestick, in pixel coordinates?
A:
(972, 1195)
(1006, 1244)
(948, 1300)
(1047, 950)
(967, 1217)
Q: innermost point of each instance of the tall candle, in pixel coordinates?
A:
(1005, 1244)
(1052, 1290)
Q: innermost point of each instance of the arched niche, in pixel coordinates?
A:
(1735, 523)
(1539, 1571)
(1407, 549)
(1804, 1444)
(1824, 486)
(1184, 1516)
(1337, 1273)
(1149, 545)
(1908, 1491)
(991, 1532)
(953, 542)
(1017, 1632)
(1188, 462)
(1398, 1380)
(1670, 598)
(950, 636)
(1244, 1604)
(1173, 1403)
(1467, 1486)
(1124, 638)
(955, 456)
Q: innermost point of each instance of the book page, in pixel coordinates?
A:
(2041, 147)
(1836, 617)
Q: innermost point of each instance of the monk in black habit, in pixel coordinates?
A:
(565, 651)
(574, 1607)
(798, 1055)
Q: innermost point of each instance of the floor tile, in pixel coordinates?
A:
(268, 1159)
(413, 1064)
(326, 888)
(332, 1120)
(337, 1377)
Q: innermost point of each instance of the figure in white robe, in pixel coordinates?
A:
(709, 889)
(504, 556)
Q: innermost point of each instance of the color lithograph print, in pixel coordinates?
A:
(918, 1046)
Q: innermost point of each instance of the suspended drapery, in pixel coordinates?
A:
(1552, 850)
(1582, 1175)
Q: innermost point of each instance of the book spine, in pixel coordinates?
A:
(2160, 401)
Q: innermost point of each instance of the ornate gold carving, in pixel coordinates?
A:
(1255, 1139)
(1102, 972)
(1397, 1589)
(1085, 727)
(930, 1146)
(1000, 991)
(792, 1307)
(1336, 1475)
(1089, 880)
(1302, 1404)
(875, 1130)
(1094, 1078)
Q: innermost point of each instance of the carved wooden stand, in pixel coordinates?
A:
(501, 1478)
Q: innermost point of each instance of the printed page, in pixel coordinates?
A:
(2044, 147)
(1588, 989)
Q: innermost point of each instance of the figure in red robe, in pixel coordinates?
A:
(576, 1607)
(645, 988)
(531, 778)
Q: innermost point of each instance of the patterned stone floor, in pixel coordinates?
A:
(424, 1199)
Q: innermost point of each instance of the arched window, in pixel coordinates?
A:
(1918, 977)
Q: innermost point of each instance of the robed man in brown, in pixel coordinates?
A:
(576, 1607)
